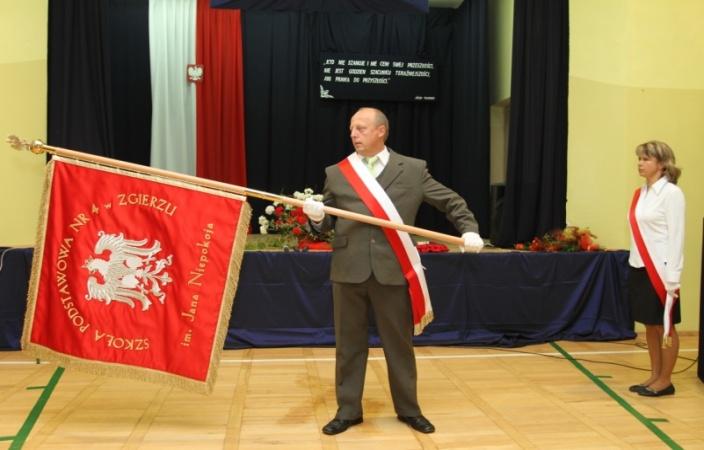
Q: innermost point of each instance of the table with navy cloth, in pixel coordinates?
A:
(490, 299)
(493, 299)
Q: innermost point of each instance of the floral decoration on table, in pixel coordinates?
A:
(431, 247)
(286, 226)
(571, 239)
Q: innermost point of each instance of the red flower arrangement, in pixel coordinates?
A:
(431, 247)
(291, 224)
(571, 239)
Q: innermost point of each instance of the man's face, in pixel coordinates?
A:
(366, 136)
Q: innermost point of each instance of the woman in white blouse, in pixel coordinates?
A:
(657, 242)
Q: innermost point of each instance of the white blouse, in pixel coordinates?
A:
(660, 216)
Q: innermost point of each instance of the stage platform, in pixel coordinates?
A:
(502, 299)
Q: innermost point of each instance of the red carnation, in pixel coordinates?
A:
(585, 242)
(536, 245)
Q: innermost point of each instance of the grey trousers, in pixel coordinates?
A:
(392, 312)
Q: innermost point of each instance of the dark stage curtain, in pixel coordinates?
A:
(292, 134)
(79, 108)
(131, 79)
(536, 178)
(99, 88)
(378, 6)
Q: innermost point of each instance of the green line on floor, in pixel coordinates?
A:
(30, 388)
(603, 376)
(6, 438)
(644, 420)
(28, 424)
(658, 419)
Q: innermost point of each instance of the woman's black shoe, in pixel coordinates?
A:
(647, 392)
(637, 388)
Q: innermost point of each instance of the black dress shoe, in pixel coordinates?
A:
(647, 392)
(418, 423)
(336, 426)
(637, 387)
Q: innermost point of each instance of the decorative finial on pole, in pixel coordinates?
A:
(36, 146)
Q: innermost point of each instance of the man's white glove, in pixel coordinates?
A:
(472, 242)
(313, 209)
(671, 288)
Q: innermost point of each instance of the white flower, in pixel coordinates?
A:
(262, 229)
(318, 197)
(299, 195)
(269, 210)
(308, 191)
(263, 221)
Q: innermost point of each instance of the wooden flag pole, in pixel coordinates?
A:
(38, 147)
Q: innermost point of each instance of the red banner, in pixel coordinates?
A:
(134, 275)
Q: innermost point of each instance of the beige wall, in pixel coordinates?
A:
(636, 73)
(23, 32)
(500, 43)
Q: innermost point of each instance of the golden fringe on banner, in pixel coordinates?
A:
(122, 370)
(425, 320)
(38, 255)
(233, 279)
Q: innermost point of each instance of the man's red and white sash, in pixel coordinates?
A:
(381, 206)
(656, 278)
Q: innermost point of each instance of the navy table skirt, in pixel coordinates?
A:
(490, 299)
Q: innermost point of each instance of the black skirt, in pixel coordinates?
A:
(645, 303)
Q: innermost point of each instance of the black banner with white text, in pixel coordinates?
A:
(377, 77)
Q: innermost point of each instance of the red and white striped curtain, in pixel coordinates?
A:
(197, 128)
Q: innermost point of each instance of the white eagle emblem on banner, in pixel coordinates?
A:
(133, 273)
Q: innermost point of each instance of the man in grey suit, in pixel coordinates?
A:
(366, 272)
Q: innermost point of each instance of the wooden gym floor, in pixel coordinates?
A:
(563, 395)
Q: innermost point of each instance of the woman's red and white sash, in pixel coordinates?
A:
(381, 206)
(654, 275)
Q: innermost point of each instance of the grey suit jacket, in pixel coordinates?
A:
(360, 249)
